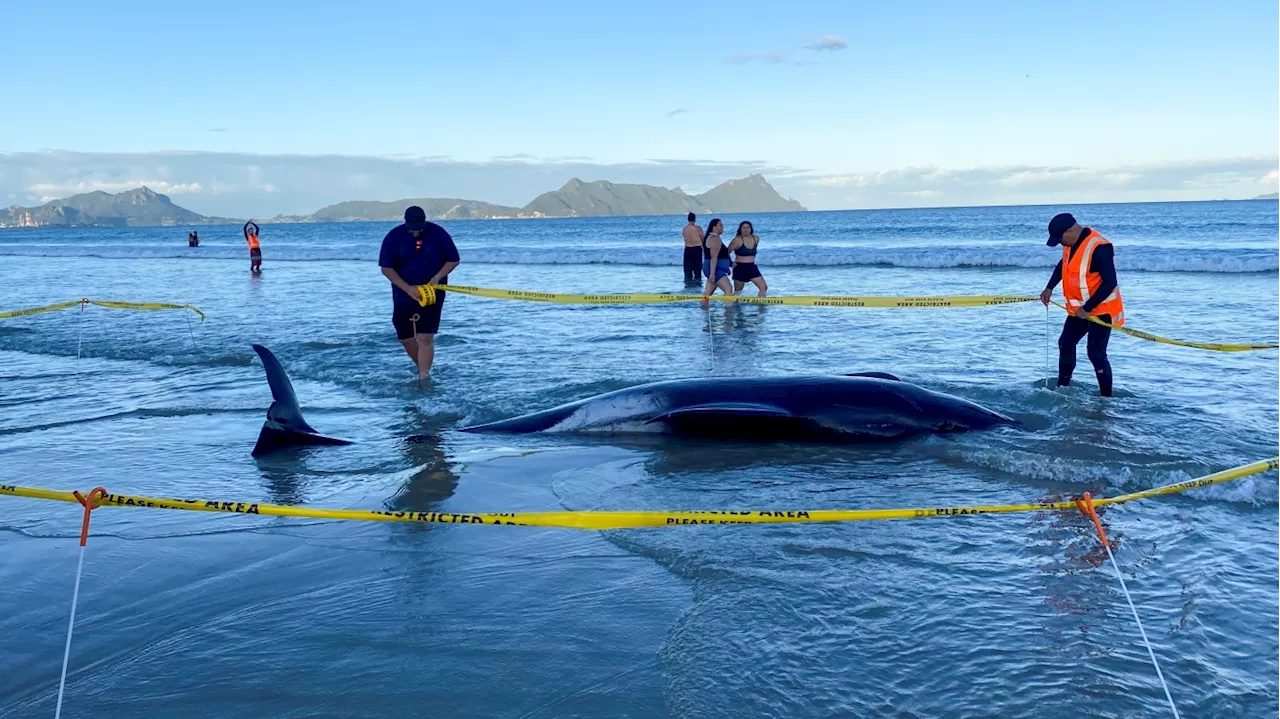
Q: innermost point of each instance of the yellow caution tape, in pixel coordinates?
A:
(112, 304)
(1215, 346)
(427, 296)
(629, 520)
(794, 301)
(39, 310)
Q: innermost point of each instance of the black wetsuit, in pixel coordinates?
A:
(1074, 329)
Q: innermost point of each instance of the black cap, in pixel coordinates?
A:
(415, 218)
(1058, 225)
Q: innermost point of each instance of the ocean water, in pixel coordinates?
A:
(194, 615)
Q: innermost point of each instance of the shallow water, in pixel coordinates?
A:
(212, 615)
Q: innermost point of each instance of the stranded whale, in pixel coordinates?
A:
(861, 407)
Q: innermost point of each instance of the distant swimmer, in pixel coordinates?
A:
(255, 247)
(193, 239)
(413, 254)
(692, 251)
(715, 260)
(744, 246)
(1088, 275)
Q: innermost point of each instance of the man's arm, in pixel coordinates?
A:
(398, 281)
(451, 259)
(387, 262)
(1104, 263)
(444, 272)
(1054, 279)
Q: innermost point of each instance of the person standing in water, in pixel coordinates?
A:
(692, 251)
(193, 239)
(745, 245)
(255, 247)
(413, 254)
(715, 260)
(1088, 275)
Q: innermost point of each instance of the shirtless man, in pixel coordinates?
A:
(692, 251)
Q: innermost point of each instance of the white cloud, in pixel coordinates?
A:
(1200, 179)
(1271, 178)
(828, 42)
(677, 111)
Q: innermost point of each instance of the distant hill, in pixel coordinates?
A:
(436, 208)
(575, 199)
(1272, 196)
(606, 199)
(750, 194)
(141, 207)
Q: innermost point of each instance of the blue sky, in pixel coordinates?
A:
(898, 93)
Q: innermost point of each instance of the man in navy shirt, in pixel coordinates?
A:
(413, 254)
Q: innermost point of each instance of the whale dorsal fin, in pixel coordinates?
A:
(284, 410)
(873, 375)
(285, 426)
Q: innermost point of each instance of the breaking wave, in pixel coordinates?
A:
(1131, 259)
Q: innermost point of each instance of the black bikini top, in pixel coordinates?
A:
(706, 249)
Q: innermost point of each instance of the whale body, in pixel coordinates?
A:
(848, 408)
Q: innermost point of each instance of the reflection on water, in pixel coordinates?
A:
(433, 478)
(284, 481)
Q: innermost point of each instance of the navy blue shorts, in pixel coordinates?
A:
(722, 269)
(411, 320)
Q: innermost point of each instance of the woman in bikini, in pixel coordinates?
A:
(744, 245)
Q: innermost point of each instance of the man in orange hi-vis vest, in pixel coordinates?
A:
(1088, 275)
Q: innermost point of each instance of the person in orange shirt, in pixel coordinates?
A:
(255, 247)
(1088, 275)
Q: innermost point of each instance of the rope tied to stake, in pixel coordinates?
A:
(1085, 504)
(89, 503)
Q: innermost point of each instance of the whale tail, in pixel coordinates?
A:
(285, 426)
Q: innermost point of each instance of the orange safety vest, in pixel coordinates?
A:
(253, 242)
(1079, 284)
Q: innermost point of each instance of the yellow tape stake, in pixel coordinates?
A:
(1214, 346)
(794, 301)
(111, 304)
(629, 520)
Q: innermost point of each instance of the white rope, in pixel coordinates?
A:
(711, 339)
(66, 653)
(1142, 631)
(80, 331)
(194, 349)
(1048, 369)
